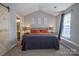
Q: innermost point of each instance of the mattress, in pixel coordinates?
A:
(40, 42)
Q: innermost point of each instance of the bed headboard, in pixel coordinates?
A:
(39, 30)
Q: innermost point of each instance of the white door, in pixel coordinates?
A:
(4, 30)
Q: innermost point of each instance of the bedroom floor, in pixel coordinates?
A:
(63, 51)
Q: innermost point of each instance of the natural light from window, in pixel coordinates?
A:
(66, 25)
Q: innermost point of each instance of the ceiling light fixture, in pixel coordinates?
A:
(55, 7)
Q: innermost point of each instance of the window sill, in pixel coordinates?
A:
(65, 38)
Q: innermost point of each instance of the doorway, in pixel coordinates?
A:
(18, 29)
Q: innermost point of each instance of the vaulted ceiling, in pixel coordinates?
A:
(51, 8)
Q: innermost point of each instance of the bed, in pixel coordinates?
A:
(39, 39)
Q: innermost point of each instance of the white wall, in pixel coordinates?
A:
(74, 24)
(58, 19)
(50, 19)
(12, 24)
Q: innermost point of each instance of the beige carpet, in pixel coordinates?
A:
(63, 51)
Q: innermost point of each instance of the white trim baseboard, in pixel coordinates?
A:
(13, 46)
(8, 50)
(68, 44)
(75, 44)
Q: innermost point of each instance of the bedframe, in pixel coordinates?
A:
(39, 38)
(39, 41)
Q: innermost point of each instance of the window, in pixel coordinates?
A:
(45, 20)
(39, 21)
(66, 25)
(33, 21)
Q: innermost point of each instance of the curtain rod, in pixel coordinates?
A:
(5, 6)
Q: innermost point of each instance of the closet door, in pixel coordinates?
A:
(4, 30)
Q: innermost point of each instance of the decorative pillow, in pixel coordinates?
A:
(35, 31)
(44, 31)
